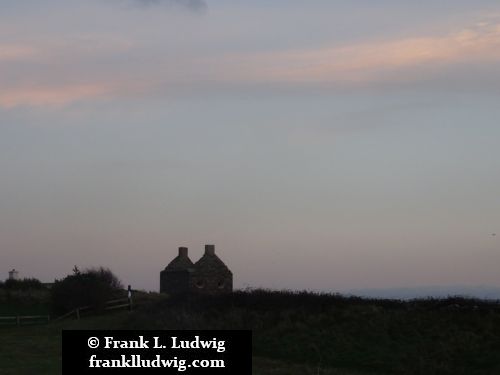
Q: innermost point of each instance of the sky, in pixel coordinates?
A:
(320, 145)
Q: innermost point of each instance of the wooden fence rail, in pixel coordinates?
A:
(109, 305)
(18, 320)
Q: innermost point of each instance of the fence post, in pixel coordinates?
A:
(18, 318)
(77, 314)
(48, 319)
(129, 295)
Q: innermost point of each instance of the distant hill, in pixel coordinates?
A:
(480, 291)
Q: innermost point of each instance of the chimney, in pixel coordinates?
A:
(209, 249)
(183, 252)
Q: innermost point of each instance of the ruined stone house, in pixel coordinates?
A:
(209, 275)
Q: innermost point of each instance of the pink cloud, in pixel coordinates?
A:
(12, 52)
(366, 61)
(51, 96)
(47, 75)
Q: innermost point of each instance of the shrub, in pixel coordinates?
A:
(24, 284)
(92, 288)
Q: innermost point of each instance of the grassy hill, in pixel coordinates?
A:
(302, 333)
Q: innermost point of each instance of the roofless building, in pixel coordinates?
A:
(209, 275)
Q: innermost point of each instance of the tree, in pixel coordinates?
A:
(91, 287)
(23, 284)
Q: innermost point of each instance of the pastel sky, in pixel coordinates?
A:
(324, 145)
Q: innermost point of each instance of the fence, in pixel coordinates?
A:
(19, 320)
(109, 305)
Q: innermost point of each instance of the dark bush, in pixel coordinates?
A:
(90, 288)
(24, 284)
(455, 335)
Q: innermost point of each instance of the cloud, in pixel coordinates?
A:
(58, 72)
(369, 61)
(193, 5)
(51, 96)
(13, 52)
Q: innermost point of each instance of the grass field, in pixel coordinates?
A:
(37, 350)
(301, 333)
(24, 302)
